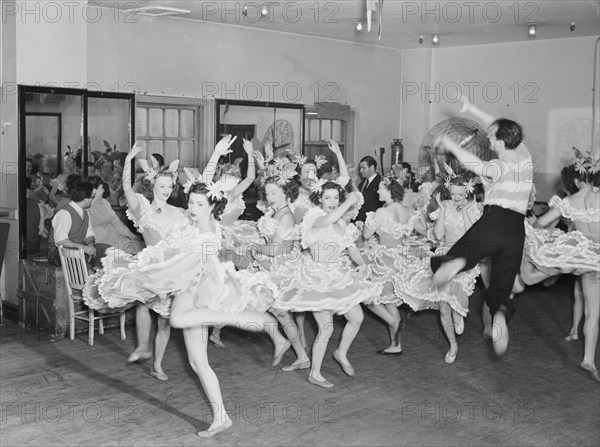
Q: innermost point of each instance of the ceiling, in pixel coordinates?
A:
(459, 23)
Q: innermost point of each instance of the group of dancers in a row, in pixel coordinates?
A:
(204, 268)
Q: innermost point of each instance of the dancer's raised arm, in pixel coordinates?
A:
(485, 118)
(250, 174)
(337, 213)
(335, 148)
(469, 160)
(222, 148)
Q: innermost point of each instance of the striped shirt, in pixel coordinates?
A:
(508, 184)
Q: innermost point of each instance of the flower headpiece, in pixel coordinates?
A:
(301, 160)
(154, 171)
(320, 160)
(469, 184)
(193, 177)
(586, 165)
(214, 192)
(318, 185)
(282, 167)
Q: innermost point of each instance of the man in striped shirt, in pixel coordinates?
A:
(500, 232)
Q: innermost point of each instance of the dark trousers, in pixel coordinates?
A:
(498, 234)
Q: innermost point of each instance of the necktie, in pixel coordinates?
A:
(365, 185)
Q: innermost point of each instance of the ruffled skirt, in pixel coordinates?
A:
(414, 284)
(382, 271)
(554, 252)
(306, 285)
(158, 273)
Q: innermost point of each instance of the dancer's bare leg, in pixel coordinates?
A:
(292, 333)
(300, 318)
(391, 316)
(447, 271)
(196, 341)
(143, 324)
(531, 275)
(577, 310)
(448, 325)
(185, 315)
(160, 346)
(355, 318)
(591, 294)
(324, 321)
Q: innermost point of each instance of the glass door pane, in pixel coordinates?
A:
(53, 146)
(109, 141)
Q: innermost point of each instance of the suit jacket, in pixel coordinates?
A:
(372, 202)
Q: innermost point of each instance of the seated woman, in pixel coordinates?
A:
(107, 226)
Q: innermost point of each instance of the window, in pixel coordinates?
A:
(170, 130)
(319, 131)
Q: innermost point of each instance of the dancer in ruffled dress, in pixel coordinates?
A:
(391, 224)
(327, 282)
(234, 230)
(453, 218)
(154, 220)
(282, 238)
(309, 173)
(208, 293)
(577, 252)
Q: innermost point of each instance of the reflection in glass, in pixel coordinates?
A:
(53, 145)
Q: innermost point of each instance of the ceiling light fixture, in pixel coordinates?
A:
(159, 11)
(436, 39)
(532, 32)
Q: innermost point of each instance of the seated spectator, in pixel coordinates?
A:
(107, 226)
(72, 226)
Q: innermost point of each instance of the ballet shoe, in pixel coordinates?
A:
(135, 356)
(459, 326)
(347, 367)
(518, 285)
(385, 352)
(572, 337)
(322, 383)
(279, 356)
(160, 375)
(296, 366)
(592, 370)
(449, 359)
(216, 341)
(500, 333)
(215, 431)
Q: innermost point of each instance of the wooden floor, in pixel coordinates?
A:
(68, 393)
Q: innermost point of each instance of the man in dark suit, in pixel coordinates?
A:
(368, 186)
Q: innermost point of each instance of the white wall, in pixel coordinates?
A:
(177, 57)
(544, 85)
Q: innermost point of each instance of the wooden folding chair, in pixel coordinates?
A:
(76, 273)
